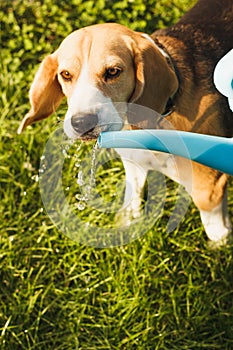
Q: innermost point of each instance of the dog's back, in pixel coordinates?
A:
(196, 43)
(206, 28)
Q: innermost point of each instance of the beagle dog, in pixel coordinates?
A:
(104, 66)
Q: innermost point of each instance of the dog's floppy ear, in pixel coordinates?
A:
(155, 79)
(45, 92)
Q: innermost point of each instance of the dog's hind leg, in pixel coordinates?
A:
(137, 163)
(217, 223)
(210, 196)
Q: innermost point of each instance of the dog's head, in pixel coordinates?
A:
(100, 69)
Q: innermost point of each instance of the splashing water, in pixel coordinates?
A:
(86, 184)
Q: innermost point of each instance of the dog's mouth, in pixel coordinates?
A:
(88, 126)
(90, 135)
(93, 133)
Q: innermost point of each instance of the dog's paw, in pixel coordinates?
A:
(125, 218)
(225, 240)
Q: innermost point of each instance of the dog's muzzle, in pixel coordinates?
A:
(84, 124)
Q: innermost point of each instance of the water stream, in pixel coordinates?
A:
(86, 183)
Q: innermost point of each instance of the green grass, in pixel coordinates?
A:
(162, 291)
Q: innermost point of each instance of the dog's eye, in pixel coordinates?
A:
(66, 75)
(112, 72)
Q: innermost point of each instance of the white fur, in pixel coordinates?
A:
(87, 98)
(216, 222)
(136, 164)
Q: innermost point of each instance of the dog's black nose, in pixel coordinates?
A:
(84, 123)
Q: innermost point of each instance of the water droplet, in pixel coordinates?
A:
(88, 189)
(64, 152)
(81, 205)
(79, 147)
(79, 197)
(80, 180)
(35, 178)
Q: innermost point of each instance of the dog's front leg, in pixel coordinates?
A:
(136, 162)
(135, 177)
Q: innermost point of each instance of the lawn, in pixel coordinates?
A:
(164, 290)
